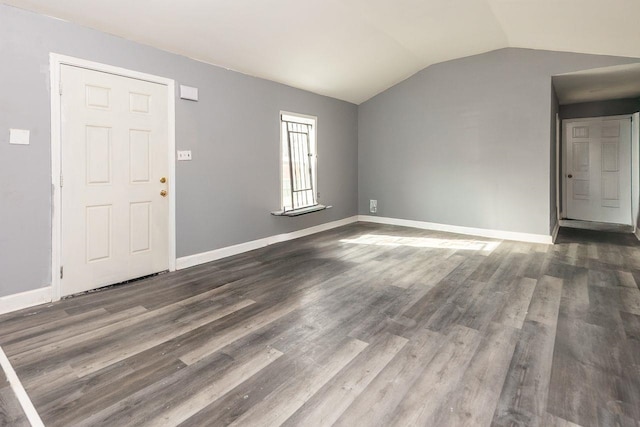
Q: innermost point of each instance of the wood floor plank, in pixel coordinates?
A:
(545, 301)
(178, 388)
(366, 324)
(84, 397)
(288, 398)
(609, 418)
(326, 406)
(30, 318)
(264, 318)
(474, 400)
(631, 324)
(35, 355)
(202, 396)
(41, 329)
(597, 353)
(300, 358)
(377, 403)
(140, 343)
(494, 297)
(457, 305)
(491, 264)
(11, 413)
(523, 399)
(514, 309)
(161, 289)
(48, 379)
(431, 274)
(619, 298)
(39, 337)
(576, 286)
(232, 405)
(626, 279)
(439, 379)
(552, 420)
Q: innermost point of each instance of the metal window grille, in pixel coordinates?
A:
(298, 188)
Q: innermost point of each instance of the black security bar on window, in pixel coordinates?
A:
(300, 165)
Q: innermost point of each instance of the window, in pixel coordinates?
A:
(298, 162)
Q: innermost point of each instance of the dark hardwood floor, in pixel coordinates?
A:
(361, 325)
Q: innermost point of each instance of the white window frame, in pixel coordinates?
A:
(286, 116)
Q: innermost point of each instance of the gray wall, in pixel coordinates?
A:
(600, 109)
(224, 195)
(467, 142)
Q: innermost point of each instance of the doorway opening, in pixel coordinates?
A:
(597, 144)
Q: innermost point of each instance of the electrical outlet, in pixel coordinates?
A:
(184, 155)
(373, 206)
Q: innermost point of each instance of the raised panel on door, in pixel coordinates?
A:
(580, 168)
(139, 156)
(97, 96)
(140, 227)
(98, 232)
(610, 178)
(114, 154)
(98, 150)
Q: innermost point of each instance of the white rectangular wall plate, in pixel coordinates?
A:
(189, 93)
(184, 155)
(19, 136)
(373, 206)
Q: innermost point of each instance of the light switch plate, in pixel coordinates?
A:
(19, 136)
(184, 155)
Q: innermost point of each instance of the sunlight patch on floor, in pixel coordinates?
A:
(423, 242)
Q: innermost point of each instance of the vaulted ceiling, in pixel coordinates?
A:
(353, 49)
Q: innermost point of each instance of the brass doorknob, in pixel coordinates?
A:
(163, 180)
(163, 193)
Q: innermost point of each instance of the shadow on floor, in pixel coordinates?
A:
(576, 235)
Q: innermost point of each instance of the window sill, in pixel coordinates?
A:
(302, 211)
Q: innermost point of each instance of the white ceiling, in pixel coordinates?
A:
(353, 49)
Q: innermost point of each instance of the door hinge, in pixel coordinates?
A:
(60, 86)
(61, 272)
(61, 181)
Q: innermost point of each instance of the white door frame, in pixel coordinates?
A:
(559, 156)
(56, 61)
(635, 169)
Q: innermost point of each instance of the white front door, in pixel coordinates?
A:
(597, 169)
(114, 169)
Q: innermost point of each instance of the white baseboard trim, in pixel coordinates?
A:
(482, 232)
(204, 257)
(554, 234)
(25, 299)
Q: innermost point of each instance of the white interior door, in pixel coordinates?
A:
(115, 213)
(598, 170)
